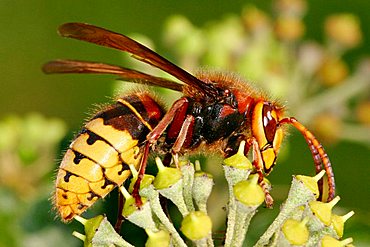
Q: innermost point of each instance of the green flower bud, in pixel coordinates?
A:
(328, 241)
(196, 225)
(91, 226)
(338, 222)
(311, 182)
(130, 204)
(129, 207)
(145, 182)
(170, 183)
(239, 160)
(295, 231)
(158, 238)
(249, 192)
(166, 176)
(323, 210)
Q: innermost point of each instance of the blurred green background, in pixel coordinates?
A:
(28, 39)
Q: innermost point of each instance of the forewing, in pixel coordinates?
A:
(114, 40)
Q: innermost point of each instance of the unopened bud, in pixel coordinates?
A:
(166, 176)
(145, 182)
(323, 211)
(196, 225)
(91, 226)
(338, 222)
(239, 160)
(249, 192)
(130, 205)
(158, 238)
(328, 241)
(296, 231)
(311, 182)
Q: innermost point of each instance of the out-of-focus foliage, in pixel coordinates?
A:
(28, 147)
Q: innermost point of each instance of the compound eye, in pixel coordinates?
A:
(269, 122)
(265, 129)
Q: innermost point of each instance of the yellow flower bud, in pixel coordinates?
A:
(159, 238)
(311, 182)
(249, 192)
(338, 222)
(296, 231)
(328, 241)
(239, 160)
(196, 225)
(323, 210)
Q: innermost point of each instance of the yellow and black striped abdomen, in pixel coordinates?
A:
(99, 158)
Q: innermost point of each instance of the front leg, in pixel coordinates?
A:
(258, 165)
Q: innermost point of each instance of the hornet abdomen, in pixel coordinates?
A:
(98, 159)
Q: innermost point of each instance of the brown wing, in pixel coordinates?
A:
(114, 40)
(75, 66)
